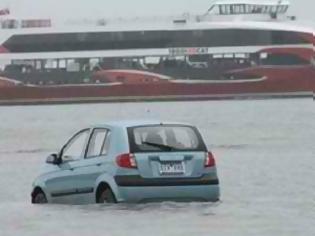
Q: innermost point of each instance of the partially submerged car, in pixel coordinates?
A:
(133, 162)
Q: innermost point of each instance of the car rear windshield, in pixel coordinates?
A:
(171, 138)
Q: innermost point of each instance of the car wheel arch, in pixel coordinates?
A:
(102, 186)
(110, 181)
(37, 190)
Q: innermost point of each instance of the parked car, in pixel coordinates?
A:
(134, 162)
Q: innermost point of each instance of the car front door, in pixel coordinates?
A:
(63, 183)
(86, 172)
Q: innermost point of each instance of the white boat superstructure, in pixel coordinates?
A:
(231, 34)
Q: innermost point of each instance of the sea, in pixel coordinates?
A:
(265, 153)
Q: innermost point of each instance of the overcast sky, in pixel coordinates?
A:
(109, 8)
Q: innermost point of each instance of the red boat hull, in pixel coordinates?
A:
(148, 92)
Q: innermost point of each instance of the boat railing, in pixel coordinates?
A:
(245, 8)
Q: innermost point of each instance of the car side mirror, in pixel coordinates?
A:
(53, 159)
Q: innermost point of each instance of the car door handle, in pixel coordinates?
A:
(72, 169)
(99, 164)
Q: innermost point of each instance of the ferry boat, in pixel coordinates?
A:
(237, 49)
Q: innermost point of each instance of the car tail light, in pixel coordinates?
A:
(127, 160)
(209, 160)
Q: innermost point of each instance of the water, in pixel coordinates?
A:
(265, 156)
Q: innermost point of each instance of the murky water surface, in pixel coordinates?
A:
(265, 154)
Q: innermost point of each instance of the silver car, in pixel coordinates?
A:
(134, 162)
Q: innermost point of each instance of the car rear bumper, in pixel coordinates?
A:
(138, 189)
(138, 181)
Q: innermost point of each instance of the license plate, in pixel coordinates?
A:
(172, 168)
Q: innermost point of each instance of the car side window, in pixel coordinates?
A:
(99, 143)
(75, 148)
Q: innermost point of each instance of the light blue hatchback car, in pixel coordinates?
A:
(133, 162)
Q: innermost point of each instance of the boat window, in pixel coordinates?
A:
(93, 62)
(117, 35)
(248, 9)
(216, 9)
(265, 9)
(211, 8)
(282, 9)
(236, 9)
(231, 9)
(274, 9)
(228, 55)
(221, 10)
(9, 24)
(38, 65)
(283, 60)
(154, 39)
(73, 66)
(227, 9)
(258, 9)
(198, 58)
(198, 33)
(215, 56)
(263, 55)
(152, 60)
(243, 9)
(240, 55)
(224, 9)
(62, 63)
(239, 9)
(51, 64)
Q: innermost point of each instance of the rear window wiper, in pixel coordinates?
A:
(159, 145)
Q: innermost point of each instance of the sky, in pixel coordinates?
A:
(65, 9)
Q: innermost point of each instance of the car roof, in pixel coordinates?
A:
(135, 123)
